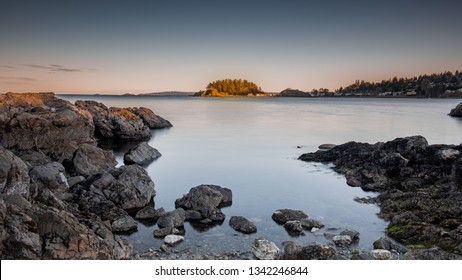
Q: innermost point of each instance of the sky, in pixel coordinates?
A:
(151, 46)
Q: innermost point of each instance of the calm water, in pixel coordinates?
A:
(250, 146)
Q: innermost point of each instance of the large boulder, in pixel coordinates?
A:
(285, 215)
(150, 119)
(14, 174)
(457, 111)
(141, 154)
(115, 123)
(241, 224)
(132, 188)
(204, 196)
(91, 160)
(311, 252)
(40, 121)
(50, 175)
(172, 219)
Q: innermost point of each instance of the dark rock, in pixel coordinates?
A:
(387, 244)
(212, 213)
(326, 146)
(141, 154)
(311, 252)
(310, 223)
(150, 119)
(132, 189)
(90, 160)
(35, 231)
(342, 240)
(241, 224)
(419, 186)
(162, 232)
(285, 215)
(264, 249)
(50, 175)
(430, 254)
(193, 215)
(149, 213)
(41, 122)
(14, 174)
(293, 226)
(204, 196)
(172, 219)
(457, 111)
(353, 234)
(75, 180)
(124, 224)
(115, 123)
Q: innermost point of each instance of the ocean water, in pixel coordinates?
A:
(251, 145)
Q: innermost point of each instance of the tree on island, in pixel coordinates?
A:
(235, 87)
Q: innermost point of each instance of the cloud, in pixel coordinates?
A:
(7, 66)
(59, 68)
(17, 79)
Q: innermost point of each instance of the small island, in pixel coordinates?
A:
(232, 88)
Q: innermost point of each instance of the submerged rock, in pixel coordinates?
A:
(141, 154)
(241, 224)
(285, 215)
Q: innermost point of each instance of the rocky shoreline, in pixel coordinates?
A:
(62, 197)
(419, 185)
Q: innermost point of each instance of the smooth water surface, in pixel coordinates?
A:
(250, 145)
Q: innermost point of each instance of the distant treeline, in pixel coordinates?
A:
(229, 87)
(446, 84)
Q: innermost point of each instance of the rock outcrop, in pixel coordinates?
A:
(420, 187)
(141, 154)
(42, 122)
(150, 119)
(61, 197)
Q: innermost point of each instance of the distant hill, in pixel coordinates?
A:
(167, 93)
(228, 87)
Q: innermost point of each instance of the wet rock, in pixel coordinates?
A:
(115, 123)
(342, 240)
(50, 175)
(212, 213)
(381, 254)
(149, 118)
(204, 196)
(14, 174)
(293, 226)
(241, 224)
(353, 234)
(172, 240)
(311, 252)
(91, 160)
(124, 224)
(132, 189)
(285, 215)
(162, 232)
(141, 154)
(387, 244)
(264, 249)
(310, 224)
(430, 254)
(172, 219)
(193, 215)
(149, 213)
